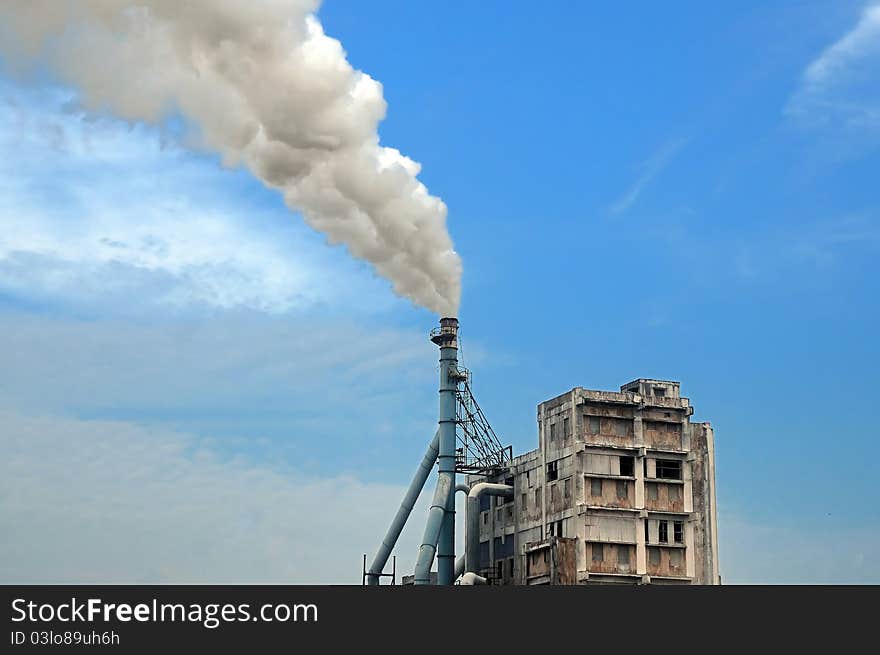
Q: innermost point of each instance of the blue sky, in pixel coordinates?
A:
(683, 191)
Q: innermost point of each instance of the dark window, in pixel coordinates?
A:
(678, 532)
(622, 489)
(485, 502)
(664, 532)
(524, 502)
(669, 469)
(510, 567)
(503, 547)
(647, 532)
(627, 466)
(553, 471)
(566, 488)
(598, 555)
(559, 529)
(485, 518)
(503, 500)
(659, 391)
(499, 569)
(552, 431)
(550, 528)
(623, 555)
(595, 486)
(538, 497)
(498, 515)
(484, 554)
(565, 428)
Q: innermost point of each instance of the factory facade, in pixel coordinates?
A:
(621, 489)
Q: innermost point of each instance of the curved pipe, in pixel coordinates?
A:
(406, 505)
(471, 578)
(472, 535)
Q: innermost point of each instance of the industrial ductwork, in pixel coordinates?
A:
(472, 517)
(406, 505)
(471, 578)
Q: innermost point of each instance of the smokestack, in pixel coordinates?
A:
(447, 340)
(439, 535)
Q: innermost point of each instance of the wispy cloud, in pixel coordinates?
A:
(822, 243)
(649, 169)
(99, 213)
(842, 84)
(140, 505)
(236, 375)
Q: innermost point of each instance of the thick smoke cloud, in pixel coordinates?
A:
(266, 88)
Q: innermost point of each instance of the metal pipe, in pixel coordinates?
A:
(432, 529)
(471, 578)
(443, 544)
(447, 419)
(406, 505)
(472, 515)
(459, 566)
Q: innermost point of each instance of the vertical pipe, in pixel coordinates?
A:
(447, 339)
(472, 516)
(432, 529)
(406, 505)
(439, 535)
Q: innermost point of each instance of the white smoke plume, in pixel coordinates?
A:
(267, 89)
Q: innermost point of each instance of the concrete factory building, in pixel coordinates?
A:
(621, 489)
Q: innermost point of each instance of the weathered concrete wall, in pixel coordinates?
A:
(704, 522)
(664, 496)
(665, 435)
(571, 486)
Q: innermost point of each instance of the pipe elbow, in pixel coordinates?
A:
(492, 488)
(471, 578)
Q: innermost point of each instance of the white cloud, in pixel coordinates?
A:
(98, 213)
(111, 502)
(841, 85)
(862, 40)
(650, 170)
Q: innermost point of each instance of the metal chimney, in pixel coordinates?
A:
(439, 533)
(447, 340)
